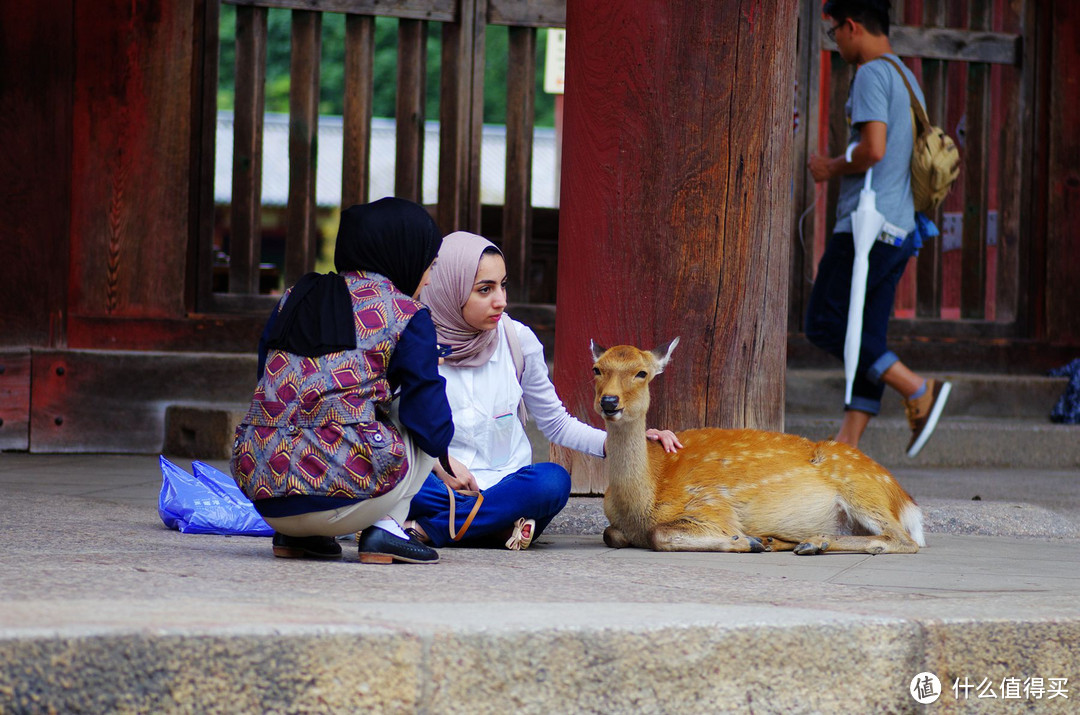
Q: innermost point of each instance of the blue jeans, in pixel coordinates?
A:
(538, 492)
(827, 313)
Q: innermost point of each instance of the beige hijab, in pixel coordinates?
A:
(451, 285)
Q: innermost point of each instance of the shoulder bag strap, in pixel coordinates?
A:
(516, 354)
(918, 110)
(518, 357)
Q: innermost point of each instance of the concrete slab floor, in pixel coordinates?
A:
(85, 556)
(85, 527)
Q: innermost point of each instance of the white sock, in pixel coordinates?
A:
(388, 524)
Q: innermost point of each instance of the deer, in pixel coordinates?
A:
(737, 490)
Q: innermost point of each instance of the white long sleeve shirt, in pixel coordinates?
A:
(488, 437)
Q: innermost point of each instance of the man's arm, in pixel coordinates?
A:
(869, 151)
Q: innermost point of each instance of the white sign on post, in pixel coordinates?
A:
(555, 61)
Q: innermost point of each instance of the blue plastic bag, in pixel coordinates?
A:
(207, 503)
(1067, 409)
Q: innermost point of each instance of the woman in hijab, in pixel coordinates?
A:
(496, 378)
(350, 412)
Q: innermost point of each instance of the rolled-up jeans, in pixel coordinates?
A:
(362, 514)
(827, 312)
(536, 491)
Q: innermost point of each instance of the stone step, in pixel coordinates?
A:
(821, 392)
(202, 430)
(990, 420)
(959, 442)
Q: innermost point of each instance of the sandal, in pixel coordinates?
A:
(522, 535)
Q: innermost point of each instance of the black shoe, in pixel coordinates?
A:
(378, 546)
(311, 547)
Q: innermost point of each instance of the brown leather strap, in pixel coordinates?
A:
(454, 534)
(918, 111)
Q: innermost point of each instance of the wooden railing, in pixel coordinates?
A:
(460, 119)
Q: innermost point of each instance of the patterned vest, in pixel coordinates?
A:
(319, 425)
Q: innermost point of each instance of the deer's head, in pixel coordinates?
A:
(622, 375)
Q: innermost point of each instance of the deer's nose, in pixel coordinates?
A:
(609, 403)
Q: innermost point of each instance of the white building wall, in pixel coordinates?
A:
(275, 187)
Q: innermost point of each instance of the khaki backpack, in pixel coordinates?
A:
(935, 162)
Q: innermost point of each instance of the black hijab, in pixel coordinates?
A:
(392, 237)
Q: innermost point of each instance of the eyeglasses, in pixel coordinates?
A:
(831, 32)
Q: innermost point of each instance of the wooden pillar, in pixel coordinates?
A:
(977, 168)
(1062, 259)
(130, 164)
(37, 75)
(460, 118)
(249, 111)
(409, 114)
(359, 91)
(300, 244)
(675, 204)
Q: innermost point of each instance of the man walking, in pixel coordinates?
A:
(878, 112)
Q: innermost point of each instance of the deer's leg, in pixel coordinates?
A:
(773, 543)
(615, 538)
(691, 535)
(710, 525)
(891, 542)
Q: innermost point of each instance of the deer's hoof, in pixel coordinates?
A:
(808, 548)
(756, 546)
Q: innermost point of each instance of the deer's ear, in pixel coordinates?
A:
(596, 350)
(663, 355)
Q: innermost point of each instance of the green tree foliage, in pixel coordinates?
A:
(332, 67)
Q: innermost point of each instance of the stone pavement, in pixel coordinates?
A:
(102, 609)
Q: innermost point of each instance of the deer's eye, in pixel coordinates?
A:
(596, 371)
(642, 375)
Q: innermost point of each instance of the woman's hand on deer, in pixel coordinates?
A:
(666, 438)
(461, 479)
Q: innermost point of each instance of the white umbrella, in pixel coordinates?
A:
(866, 224)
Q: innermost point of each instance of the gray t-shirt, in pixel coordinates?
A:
(878, 95)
